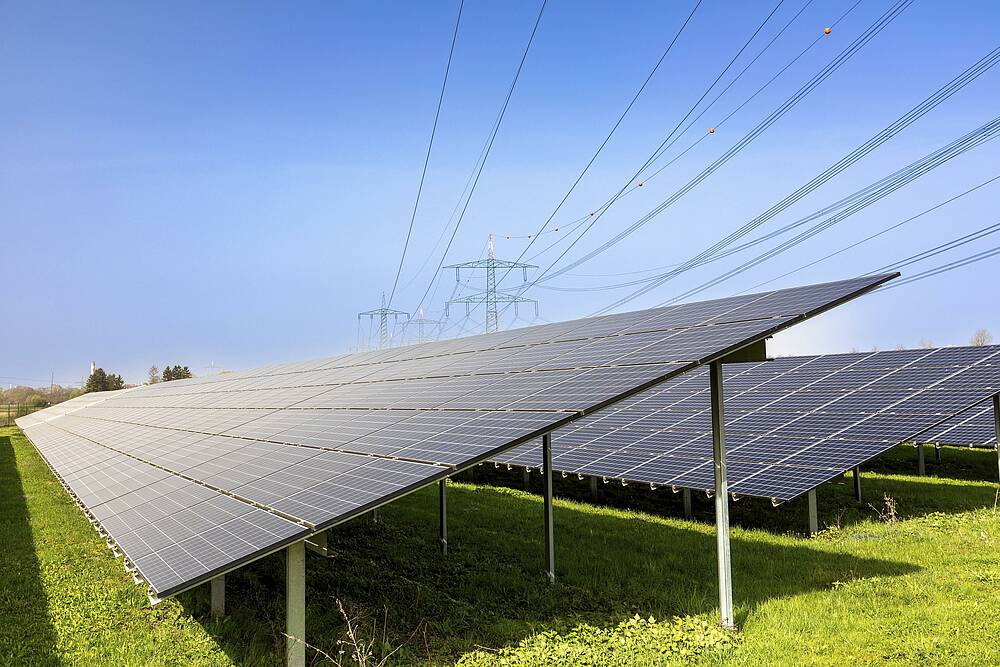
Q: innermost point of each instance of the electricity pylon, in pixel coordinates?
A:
(491, 296)
(383, 315)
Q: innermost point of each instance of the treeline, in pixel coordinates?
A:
(38, 396)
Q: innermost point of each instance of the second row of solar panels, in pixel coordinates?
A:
(791, 423)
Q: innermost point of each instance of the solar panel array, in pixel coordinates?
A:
(791, 423)
(974, 428)
(191, 478)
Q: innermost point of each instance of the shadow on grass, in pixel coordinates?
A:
(893, 474)
(31, 639)
(490, 591)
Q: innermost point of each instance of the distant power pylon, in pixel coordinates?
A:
(420, 329)
(491, 296)
(383, 314)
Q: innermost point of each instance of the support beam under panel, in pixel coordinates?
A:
(857, 483)
(937, 452)
(295, 604)
(443, 507)
(550, 555)
(593, 487)
(813, 513)
(721, 498)
(219, 596)
(318, 544)
(527, 479)
(921, 467)
(688, 514)
(375, 516)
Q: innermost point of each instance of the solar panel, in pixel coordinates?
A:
(191, 478)
(791, 423)
(974, 428)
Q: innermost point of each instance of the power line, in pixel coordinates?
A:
(430, 145)
(489, 146)
(717, 125)
(870, 237)
(945, 92)
(621, 191)
(838, 61)
(885, 187)
(937, 250)
(614, 128)
(944, 268)
(870, 33)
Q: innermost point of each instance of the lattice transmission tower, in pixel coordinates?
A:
(491, 296)
(383, 314)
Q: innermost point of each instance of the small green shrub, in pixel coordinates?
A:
(636, 641)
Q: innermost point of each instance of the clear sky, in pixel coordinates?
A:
(230, 183)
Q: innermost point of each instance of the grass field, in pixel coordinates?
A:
(917, 584)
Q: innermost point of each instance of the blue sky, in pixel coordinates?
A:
(230, 183)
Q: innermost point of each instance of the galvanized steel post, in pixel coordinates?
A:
(550, 556)
(295, 604)
(721, 498)
(443, 506)
(219, 596)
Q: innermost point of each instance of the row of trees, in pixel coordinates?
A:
(99, 380)
(175, 372)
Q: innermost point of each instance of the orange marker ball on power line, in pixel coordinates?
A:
(711, 130)
(826, 31)
(640, 184)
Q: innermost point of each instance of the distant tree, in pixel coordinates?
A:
(36, 400)
(154, 374)
(101, 381)
(900, 347)
(926, 343)
(176, 372)
(980, 338)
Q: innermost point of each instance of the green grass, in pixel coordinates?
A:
(865, 591)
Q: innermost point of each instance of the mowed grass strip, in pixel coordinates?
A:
(64, 599)
(917, 584)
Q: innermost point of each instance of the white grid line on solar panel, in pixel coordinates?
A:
(146, 497)
(253, 482)
(417, 434)
(805, 300)
(809, 431)
(975, 428)
(683, 345)
(884, 431)
(958, 371)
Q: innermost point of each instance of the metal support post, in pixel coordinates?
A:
(921, 468)
(996, 428)
(937, 453)
(219, 596)
(721, 498)
(550, 555)
(527, 480)
(295, 604)
(593, 487)
(375, 516)
(688, 514)
(857, 483)
(813, 513)
(443, 504)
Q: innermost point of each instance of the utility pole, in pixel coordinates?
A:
(383, 313)
(492, 296)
